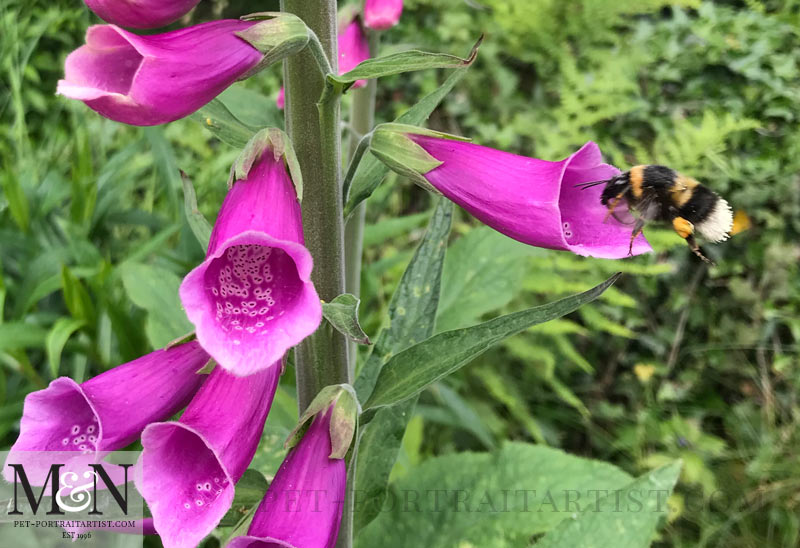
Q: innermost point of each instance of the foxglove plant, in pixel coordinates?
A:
(141, 14)
(189, 467)
(255, 297)
(109, 411)
(252, 298)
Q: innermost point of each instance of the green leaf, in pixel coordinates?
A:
(77, 299)
(371, 171)
(155, 289)
(483, 271)
(392, 227)
(250, 490)
(219, 120)
(411, 371)
(14, 335)
(412, 311)
(397, 63)
(625, 519)
(342, 313)
(484, 499)
(58, 336)
(200, 226)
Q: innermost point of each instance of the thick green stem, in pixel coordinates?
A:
(321, 359)
(362, 118)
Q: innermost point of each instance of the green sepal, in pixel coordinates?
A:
(190, 336)
(392, 146)
(343, 421)
(207, 368)
(277, 36)
(279, 143)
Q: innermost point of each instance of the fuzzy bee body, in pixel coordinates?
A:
(659, 193)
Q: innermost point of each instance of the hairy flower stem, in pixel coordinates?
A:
(362, 118)
(321, 359)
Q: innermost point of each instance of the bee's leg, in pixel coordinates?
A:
(637, 229)
(685, 230)
(613, 204)
(696, 250)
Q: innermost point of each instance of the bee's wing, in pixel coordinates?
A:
(647, 209)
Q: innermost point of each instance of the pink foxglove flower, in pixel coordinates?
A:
(280, 100)
(252, 298)
(155, 79)
(190, 467)
(109, 411)
(141, 14)
(533, 201)
(353, 47)
(382, 14)
(303, 506)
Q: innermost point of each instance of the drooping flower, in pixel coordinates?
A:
(353, 47)
(155, 79)
(533, 201)
(252, 298)
(303, 505)
(141, 14)
(190, 467)
(382, 14)
(109, 411)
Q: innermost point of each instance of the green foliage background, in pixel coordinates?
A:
(676, 361)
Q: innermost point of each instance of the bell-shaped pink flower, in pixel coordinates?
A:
(382, 14)
(155, 79)
(252, 298)
(533, 201)
(190, 467)
(109, 411)
(141, 14)
(353, 47)
(303, 505)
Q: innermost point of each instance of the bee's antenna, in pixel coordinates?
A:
(584, 186)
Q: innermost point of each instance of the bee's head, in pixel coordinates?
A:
(614, 187)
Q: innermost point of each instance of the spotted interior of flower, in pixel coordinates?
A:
(252, 287)
(81, 437)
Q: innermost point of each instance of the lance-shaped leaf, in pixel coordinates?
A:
(412, 311)
(200, 226)
(217, 118)
(626, 518)
(366, 172)
(411, 371)
(397, 63)
(342, 313)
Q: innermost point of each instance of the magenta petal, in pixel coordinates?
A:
(382, 14)
(353, 49)
(533, 201)
(252, 298)
(150, 80)
(303, 506)
(280, 100)
(190, 467)
(109, 411)
(141, 14)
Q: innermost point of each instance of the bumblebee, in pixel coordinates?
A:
(658, 193)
